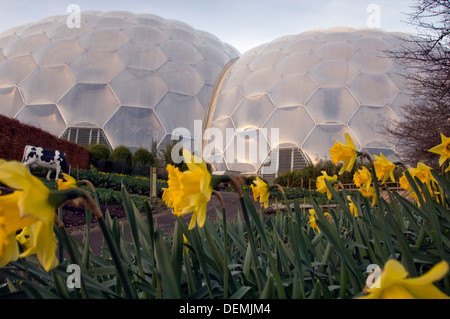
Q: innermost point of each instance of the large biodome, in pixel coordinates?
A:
(128, 79)
(120, 78)
(314, 87)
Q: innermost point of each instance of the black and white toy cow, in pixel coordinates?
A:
(53, 160)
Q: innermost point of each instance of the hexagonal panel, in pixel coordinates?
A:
(253, 111)
(303, 46)
(294, 90)
(25, 46)
(103, 40)
(187, 108)
(88, 104)
(266, 60)
(373, 89)
(291, 117)
(210, 71)
(371, 44)
(139, 56)
(181, 51)
(96, 66)
(331, 105)
(295, 64)
(146, 34)
(62, 32)
(10, 100)
(261, 82)
(369, 123)
(335, 51)
(46, 117)
(334, 73)
(372, 62)
(14, 70)
(136, 87)
(317, 145)
(227, 102)
(58, 52)
(134, 127)
(47, 84)
(181, 78)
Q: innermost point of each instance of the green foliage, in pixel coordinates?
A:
(98, 152)
(143, 156)
(121, 153)
(259, 256)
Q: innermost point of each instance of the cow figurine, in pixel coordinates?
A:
(53, 160)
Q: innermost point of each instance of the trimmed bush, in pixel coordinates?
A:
(98, 152)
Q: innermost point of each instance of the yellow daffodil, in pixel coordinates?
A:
(312, 219)
(442, 149)
(322, 187)
(67, 182)
(369, 193)
(394, 284)
(28, 206)
(344, 152)
(423, 173)
(384, 169)
(261, 191)
(352, 207)
(362, 178)
(189, 191)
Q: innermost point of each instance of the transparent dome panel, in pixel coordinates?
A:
(146, 34)
(401, 100)
(181, 51)
(37, 28)
(317, 145)
(369, 124)
(179, 34)
(253, 111)
(62, 32)
(14, 70)
(47, 84)
(88, 103)
(261, 82)
(136, 87)
(235, 78)
(46, 117)
(295, 118)
(96, 66)
(335, 51)
(103, 40)
(25, 45)
(204, 95)
(293, 90)
(303, 46)
(373, 89)
(334, 73)
(266, 61)
(181, 78)
(213, 52)
(297, 64)
(135, 55)
(209, 71)
(331, 105)
(187, 109)
(371, 44)
(58, 52)
(111, 23)
(372, 62)
(134, 127)
(227, 103)
(10, 101)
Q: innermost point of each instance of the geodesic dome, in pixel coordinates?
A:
(314, 87)
(121, 78)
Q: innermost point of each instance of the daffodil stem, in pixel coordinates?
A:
(116, 258)
(225, 255)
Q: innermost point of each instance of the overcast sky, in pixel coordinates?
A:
(242, 23)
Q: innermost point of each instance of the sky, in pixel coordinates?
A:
(243, 24)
